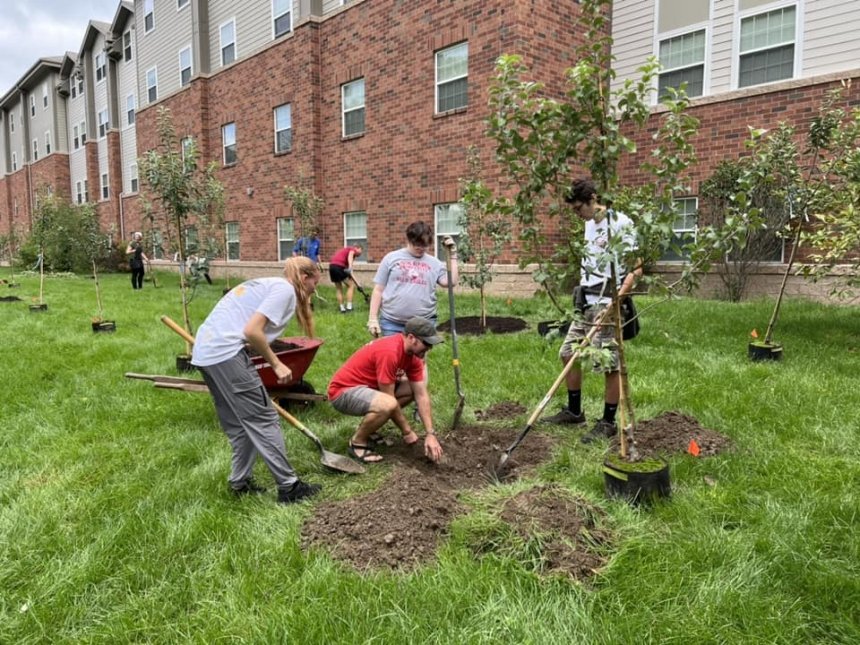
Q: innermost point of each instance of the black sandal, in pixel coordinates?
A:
(367, 452)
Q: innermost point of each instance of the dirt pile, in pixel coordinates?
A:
(400, 524)
(501, 410)
(671, 433)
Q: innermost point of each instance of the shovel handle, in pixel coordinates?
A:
(188, 338)
(289, 418)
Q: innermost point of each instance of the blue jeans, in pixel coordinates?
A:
(390, 328)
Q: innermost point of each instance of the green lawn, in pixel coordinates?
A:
(116, 524)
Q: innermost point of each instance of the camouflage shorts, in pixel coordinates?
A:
(605, 338)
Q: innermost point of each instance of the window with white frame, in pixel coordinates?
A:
(185, 147)
(148, 15)
(74, 89)
(228, 42)
(185, 66)
(190, 240)
(683, 61)
(352, 100)
(228, 142)
(283, 128)
(355, 232)
(452, 75)
(101, 67)
(32, 105)
(79, 192)
(104, 185)
(45, 95)
(11, 122)
(133, 181)
(286, 237)
(47, 142)
(83, 132)
(129, 109)
(448, 223)
(684, 228)
(35, 149)
(157, 239)
(103, 123)
(76, 139)
(231, 239)
(282, 20)
(767, 47)
(14, 161)
(81, 85)
(152, 85)
(181, 4)
(126, 46)
(86, 191)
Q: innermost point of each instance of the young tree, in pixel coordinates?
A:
(307, 207)
(181, 194)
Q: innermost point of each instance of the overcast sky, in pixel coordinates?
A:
(34, 29)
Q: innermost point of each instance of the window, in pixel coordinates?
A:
(286, 237)
(185, 67)
(133, 179)
(129, 109)
(282, 17)
(452, 70)
(355, 229)
(228, 139)
(185, 147)
(228, 42)
(81, 85)
(148, 15)
(14, 161)
(48, 142)
(83, 132)
(103, 123)
(100, 67)
(190, 240)
(683, 229)
(683, 60)
(86, 191)
(45, 96)
(11, 122)
(231, 238)
(126, 46)
(157, 244)
(283, 128)
(767, 47)
(152, 85)
(448, 223)
(35, 149)
(352, 99)
(104, 185)
(79, 192)
(74, 89)
(76, 140)
(32, 105)
(181, 4)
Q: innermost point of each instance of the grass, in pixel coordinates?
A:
(116, 525)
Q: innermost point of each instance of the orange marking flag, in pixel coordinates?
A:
(754, 333)
(693, 448)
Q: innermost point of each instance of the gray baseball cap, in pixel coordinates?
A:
(423, 329)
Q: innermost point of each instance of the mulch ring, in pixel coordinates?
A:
(564, 533)
(671, 433)
(400, 524)
(9, 299)
(501, 410)
(471, 325)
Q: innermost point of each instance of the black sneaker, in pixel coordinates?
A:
(601, 430)
(248, 487)
(565, 417)
(297, 492)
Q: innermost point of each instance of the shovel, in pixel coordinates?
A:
(341, 463)
(360, 289)
(503, 460)
(455, 354)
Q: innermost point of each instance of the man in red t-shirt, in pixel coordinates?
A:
(340, 270)
(369, 385)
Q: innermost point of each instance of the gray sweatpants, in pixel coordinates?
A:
(248, 419)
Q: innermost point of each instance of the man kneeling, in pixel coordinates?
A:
(382, 377)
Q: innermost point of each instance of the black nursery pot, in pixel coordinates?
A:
(41, 307)
(547, 326)
(638, 483)
(183, 363)
(104, 326)
(759, 351)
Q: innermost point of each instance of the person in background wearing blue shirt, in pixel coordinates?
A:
(308, 246)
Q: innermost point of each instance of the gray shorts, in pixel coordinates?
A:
(355, 401)
(604, 339)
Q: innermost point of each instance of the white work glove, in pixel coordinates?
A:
(373, 327)
(449, 243)
(347, 271)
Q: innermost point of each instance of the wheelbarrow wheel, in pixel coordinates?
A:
(302, 387)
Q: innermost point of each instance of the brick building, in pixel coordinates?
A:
(374, 103)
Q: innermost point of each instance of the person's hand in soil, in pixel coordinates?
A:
(410, 438)
(432, 448)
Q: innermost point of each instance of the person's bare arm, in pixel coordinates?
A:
(256, 337)
(432, 447)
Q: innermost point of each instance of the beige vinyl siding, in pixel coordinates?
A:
(332, 5)
(16, 139)
(831, 36)
(77, 168)
(5, 157)
(254, 29)
(633, 33)
(159, 48)
(127, 84)
(722, 50)
(677, 14)
(44, 119)
(59, 116)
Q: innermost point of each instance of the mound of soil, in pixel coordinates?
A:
(567, 531)
(501, 410)
(671, 432)
(400, 524)
(496, 324)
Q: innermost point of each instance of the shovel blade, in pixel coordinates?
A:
(340, 463)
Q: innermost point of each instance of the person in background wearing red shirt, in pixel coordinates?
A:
(340, 270)
(368, 385)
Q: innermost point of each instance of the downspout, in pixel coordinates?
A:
(121, 219)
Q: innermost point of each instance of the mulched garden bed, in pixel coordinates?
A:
(471, 325)
(671, 433)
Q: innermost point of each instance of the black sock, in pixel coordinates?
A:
(574, 401)
(609, 410)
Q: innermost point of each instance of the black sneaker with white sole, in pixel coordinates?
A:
(248, 487)
(297, 492)
(565, 417)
